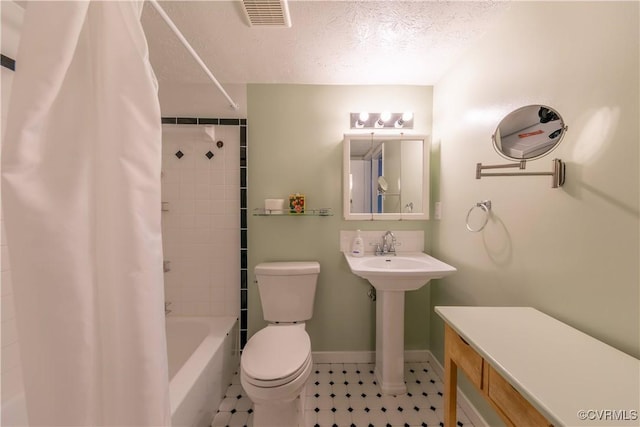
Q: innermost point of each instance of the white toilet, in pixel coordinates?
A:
(276, 361)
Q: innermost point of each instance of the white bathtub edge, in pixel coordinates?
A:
(187, 387)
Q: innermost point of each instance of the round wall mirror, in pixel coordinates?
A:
(529, 133)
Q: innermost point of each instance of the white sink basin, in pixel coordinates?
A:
(402, 272)
(391, 276)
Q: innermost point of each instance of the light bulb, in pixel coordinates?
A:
(406, 116)
(362, 118)
(384, 116)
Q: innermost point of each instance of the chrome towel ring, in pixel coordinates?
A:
(485, 205)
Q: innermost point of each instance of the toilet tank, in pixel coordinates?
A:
(287, 289)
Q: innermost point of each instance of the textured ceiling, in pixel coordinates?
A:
(330, 42)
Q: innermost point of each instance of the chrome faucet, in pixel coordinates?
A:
(389, 247)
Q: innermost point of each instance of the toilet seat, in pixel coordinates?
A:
(276, 355)
(280, 381)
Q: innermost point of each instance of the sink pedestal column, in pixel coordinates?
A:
(392, 276)
(390, 341)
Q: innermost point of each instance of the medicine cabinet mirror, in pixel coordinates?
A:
(386, 177)
(529, 133)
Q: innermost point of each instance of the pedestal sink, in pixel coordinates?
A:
(392, 276)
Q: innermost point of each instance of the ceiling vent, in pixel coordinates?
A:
(267, 13)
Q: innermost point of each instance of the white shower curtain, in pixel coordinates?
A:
(81, 197)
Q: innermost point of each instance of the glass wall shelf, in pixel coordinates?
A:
(307, 212)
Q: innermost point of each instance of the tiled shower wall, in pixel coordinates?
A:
(201, 220)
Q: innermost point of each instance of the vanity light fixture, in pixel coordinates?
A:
(384, 120)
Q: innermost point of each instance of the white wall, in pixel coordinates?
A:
(201, 100)
(10, 370)
(201, 229)
(570, 252)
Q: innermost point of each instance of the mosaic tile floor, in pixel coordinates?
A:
(348, 395)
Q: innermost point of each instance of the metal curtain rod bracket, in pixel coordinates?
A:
(557, 174)
(192, 51)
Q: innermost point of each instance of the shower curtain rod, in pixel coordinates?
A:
(193, 53)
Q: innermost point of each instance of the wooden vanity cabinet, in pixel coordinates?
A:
(464, 356)
(535, 370)
(514, 409)
(510, 403)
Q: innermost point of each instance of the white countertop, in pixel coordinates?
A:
(558, 369)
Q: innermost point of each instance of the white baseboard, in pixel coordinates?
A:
(344, 356)
(365, 356)
(410, 356)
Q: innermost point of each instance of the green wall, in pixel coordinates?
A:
(295, 145)
(572, 252)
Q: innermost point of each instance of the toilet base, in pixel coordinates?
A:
(277, 405)
(279, 414)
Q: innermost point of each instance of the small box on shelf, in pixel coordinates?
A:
(296, 204)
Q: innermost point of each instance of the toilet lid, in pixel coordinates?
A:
(276, 353)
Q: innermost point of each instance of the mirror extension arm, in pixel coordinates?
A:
(557, 174)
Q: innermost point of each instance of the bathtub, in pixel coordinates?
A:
(203, 354)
